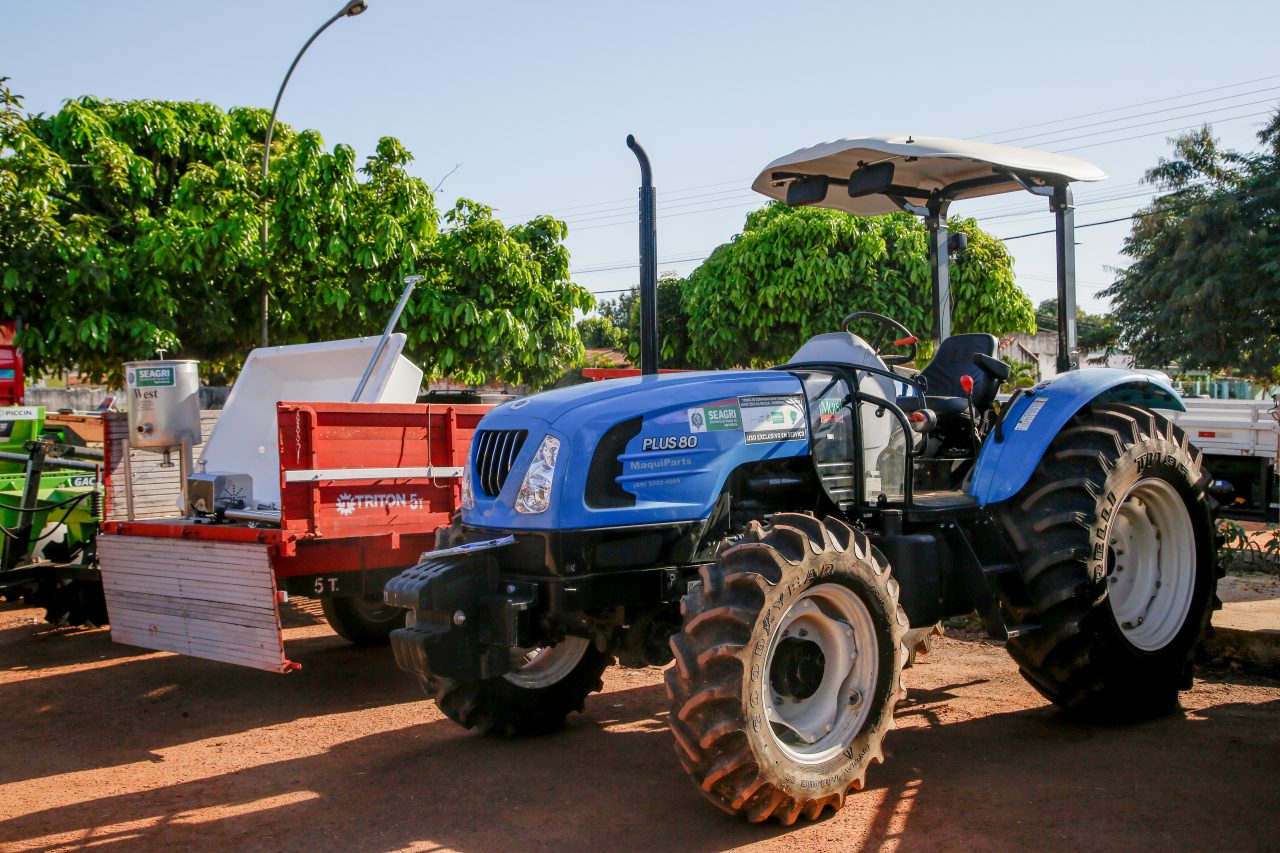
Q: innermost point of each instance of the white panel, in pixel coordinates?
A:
(245, 440)
(335, 474)
(212, 600)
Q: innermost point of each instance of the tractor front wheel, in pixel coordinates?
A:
(787, 669)
(544, 685)
(1115, 543)
(365, 621)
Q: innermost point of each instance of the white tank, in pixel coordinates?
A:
(164, 403)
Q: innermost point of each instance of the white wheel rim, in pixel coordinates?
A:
(1151, 564)
(815, 726)
(542, 666)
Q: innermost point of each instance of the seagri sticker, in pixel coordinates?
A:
(776, 417)
(714, 417)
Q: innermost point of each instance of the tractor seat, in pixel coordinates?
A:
(972, 355)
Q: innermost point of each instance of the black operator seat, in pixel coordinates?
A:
(972, 355)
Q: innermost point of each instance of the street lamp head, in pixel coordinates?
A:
(355, 7)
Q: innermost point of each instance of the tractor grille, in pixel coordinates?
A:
(496, 451)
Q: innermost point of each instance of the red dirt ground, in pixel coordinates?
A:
(111, 748)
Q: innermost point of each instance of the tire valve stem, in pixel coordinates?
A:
(855, 698)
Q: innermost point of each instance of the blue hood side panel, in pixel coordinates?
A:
(675, 465)
(1003, 468)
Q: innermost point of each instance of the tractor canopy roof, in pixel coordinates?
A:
(883, 174)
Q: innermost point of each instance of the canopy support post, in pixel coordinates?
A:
(939, 269)
(1064, 214)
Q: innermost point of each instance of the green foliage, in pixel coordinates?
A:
(1204, 284)
(619, 312)
(1094, 332)
(796, 272)
(1240, 551)
(599, 333)
(131, 226)
(673, 323)
(1022, 374)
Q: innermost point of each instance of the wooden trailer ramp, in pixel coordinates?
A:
(208, 599)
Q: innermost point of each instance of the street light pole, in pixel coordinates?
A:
(349, 10)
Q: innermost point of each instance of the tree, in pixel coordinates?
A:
(1022, 374)
(127, 227)
(1094, 332)
(673, 332)
(796, 272)
(599, 333)
(1204, 285)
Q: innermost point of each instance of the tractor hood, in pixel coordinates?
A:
(551, 406)
(647, 449)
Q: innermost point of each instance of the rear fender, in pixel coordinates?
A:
(1004, 467)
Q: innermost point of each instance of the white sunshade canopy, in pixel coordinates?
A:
(925, 164)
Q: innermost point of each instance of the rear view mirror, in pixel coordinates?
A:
(807, 189)
(870, 180)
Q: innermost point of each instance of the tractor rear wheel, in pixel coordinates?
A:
(787, 669)
(363, 620)
(544, 685)
(1114, 538)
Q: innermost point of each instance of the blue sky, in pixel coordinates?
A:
(534, 101)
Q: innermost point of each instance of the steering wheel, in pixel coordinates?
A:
(887, 325)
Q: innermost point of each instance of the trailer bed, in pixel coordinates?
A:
(363, 488)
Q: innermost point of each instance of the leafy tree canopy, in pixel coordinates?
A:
(1094, 332)
(598, 332)
(796, 272)
(673, 324)
(131, 226)
(1204, 285)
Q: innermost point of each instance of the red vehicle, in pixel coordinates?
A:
(363, 488)
(12, 388)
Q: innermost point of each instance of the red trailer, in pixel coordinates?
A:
(363, 488)
(12, 387)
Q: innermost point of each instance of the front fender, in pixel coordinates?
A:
(1004, 467)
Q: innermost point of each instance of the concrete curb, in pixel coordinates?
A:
(1261, 648)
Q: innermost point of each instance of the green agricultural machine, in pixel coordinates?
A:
(50, 506)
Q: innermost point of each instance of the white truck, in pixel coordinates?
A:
(1241, 442)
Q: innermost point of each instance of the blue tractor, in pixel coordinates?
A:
(781, 536)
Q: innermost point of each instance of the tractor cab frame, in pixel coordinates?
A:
(923, 176)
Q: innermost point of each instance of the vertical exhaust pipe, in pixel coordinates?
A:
(648, 264)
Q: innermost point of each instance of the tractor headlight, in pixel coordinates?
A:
(468, 497)
(535, 492)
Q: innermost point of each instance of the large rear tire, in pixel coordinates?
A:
(360, 620)
(787, 670)
(534, 698)
(1114, 539)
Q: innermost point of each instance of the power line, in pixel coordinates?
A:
(627, 201)
(1150, 113)
(700, 207)
(753, 203)
(1159, 132)
(1157, 121)
(1128, 106)
(1140, 215)
(632, 199)
(585, 270)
